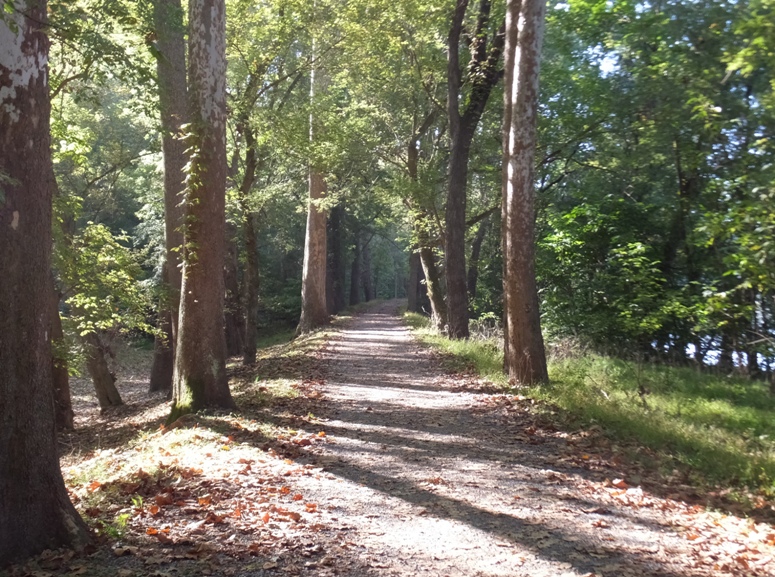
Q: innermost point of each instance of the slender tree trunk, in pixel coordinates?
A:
(314, 310)
(63, 403)
(366, 273)
(251, 290)
(427, 258)
(163, 345)
(476, 251)
(336, 268)
(413, 285)
(234, 319)
(170, 52)
(200, 357)
(455, 246)
(355, 273)
(526, 358)
(433, 284)
(35, 511)
(103, 378)
(251, 279)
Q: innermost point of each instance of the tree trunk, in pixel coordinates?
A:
(336, 268)
(170, 51)
(482, 75)
(413, 285)
(103, 378)
(251, 279)
(314, 309)
(355, 273)
(366, 276)
(63, 403)
(432, 283)
(455, 246)
(476, 251)
(35, 511)
(526, 358)
(234, 319)
(163, 345)
(427, 258)
(200, 357)
(251, 290)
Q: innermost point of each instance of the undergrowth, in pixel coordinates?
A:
(709, 431)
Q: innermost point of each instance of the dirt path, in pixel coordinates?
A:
(425, 476)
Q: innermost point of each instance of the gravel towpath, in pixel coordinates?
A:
(427, 474)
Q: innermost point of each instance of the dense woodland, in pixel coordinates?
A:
(229, 169)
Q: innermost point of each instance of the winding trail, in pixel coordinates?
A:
(425, 474)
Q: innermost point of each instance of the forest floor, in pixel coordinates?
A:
(355, 453)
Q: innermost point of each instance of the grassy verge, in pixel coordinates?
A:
(699, 429)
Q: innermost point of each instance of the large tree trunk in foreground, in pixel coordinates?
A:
(314, 308)
(63, 402)
(200, 357)
(525, 360)
(173, 110)
(35, 511)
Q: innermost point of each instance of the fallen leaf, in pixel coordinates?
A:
(311, 507)
(205, 500)
(298, 497)
(93, 486)
(619, 484)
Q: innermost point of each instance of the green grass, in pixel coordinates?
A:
(716, 431)
(481, 356)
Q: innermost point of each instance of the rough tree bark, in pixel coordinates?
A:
(35, 511)
(525, 360)
(170, 52)
(200, 378)
(314, 309)
(482, 75)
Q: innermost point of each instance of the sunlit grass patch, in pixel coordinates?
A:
(721, 429)
(716, 431)
(481, 356)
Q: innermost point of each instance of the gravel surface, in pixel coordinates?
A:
(430, 476)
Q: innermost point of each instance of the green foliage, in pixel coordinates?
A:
(104, 274)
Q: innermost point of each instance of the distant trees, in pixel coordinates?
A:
(35, 510)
